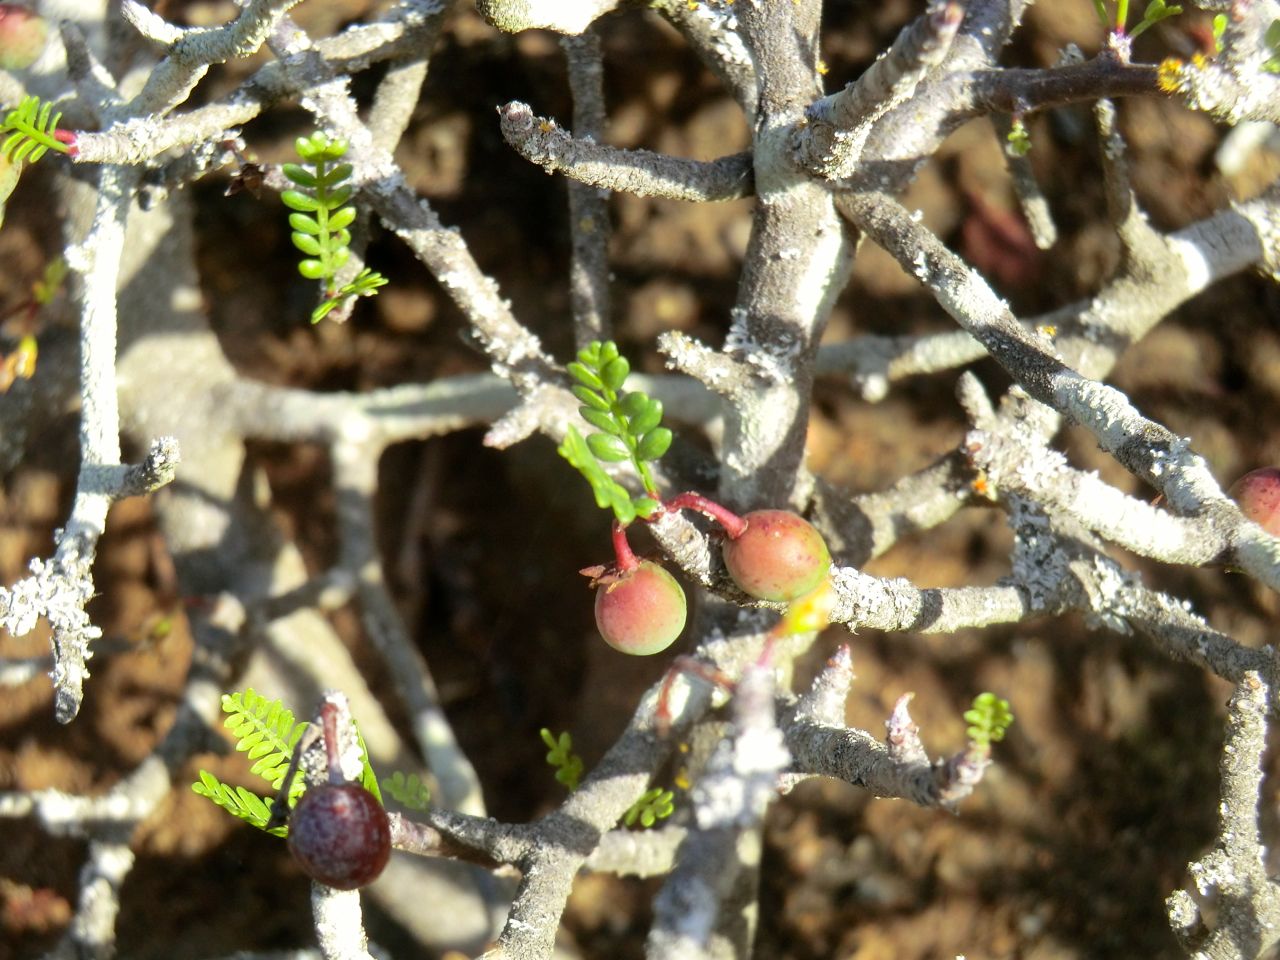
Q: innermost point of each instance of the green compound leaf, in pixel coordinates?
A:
(629, 425)
(654, 444)
(609, 494)
(608, 448)
(568, 764)
(989, 719)
(266, 730)
(653, 805)
(321, 220)
(407, 791)
(365, 284)
(32, 127)
(1156, 11)
(368, 779)
(239, 802)
(1018, 141)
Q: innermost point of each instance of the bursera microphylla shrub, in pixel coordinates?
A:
(1258, 495)
(22, 36)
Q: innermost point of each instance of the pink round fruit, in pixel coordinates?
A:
(340, 834)
(779, 556)
(1258, 494)
(640, 611)
(22, 36)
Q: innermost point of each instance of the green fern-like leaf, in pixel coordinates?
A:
(239, 802)
(407, 791)
(365, 284)
(32, 127)
(320, 218)
(568, 764)
(630, 430)
(653, 805)
(267, 732)
(368, 779)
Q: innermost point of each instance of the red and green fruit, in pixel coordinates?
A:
(779, 556)
(1258, 494)
(340, 834)
(640, 610)
(22, 36)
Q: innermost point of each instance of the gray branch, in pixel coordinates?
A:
(642, 173)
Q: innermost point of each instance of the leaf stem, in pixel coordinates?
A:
(733, 524)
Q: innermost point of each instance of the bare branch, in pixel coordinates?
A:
(830, 144)
(1245, 900)
(355, 467)
(562, 16)
(639, 172)
(192, 51)
(588, 208)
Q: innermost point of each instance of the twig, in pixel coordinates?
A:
(1232, 875)
(355, 467)
(589, 225)
(642, 173)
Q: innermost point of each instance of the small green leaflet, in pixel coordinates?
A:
(609, 494)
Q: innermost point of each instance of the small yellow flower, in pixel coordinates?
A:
(1169, 74)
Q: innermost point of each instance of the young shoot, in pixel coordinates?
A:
(568, 765)
(267, 732)
(1156, 10)
(408, 791)
(630, 431)
(653, 805)
(320, 218)
(29, 130)
(988, 720)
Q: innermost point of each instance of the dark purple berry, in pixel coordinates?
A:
(779, 556)
(1258, 494)
(340, 834)
(640, 611)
